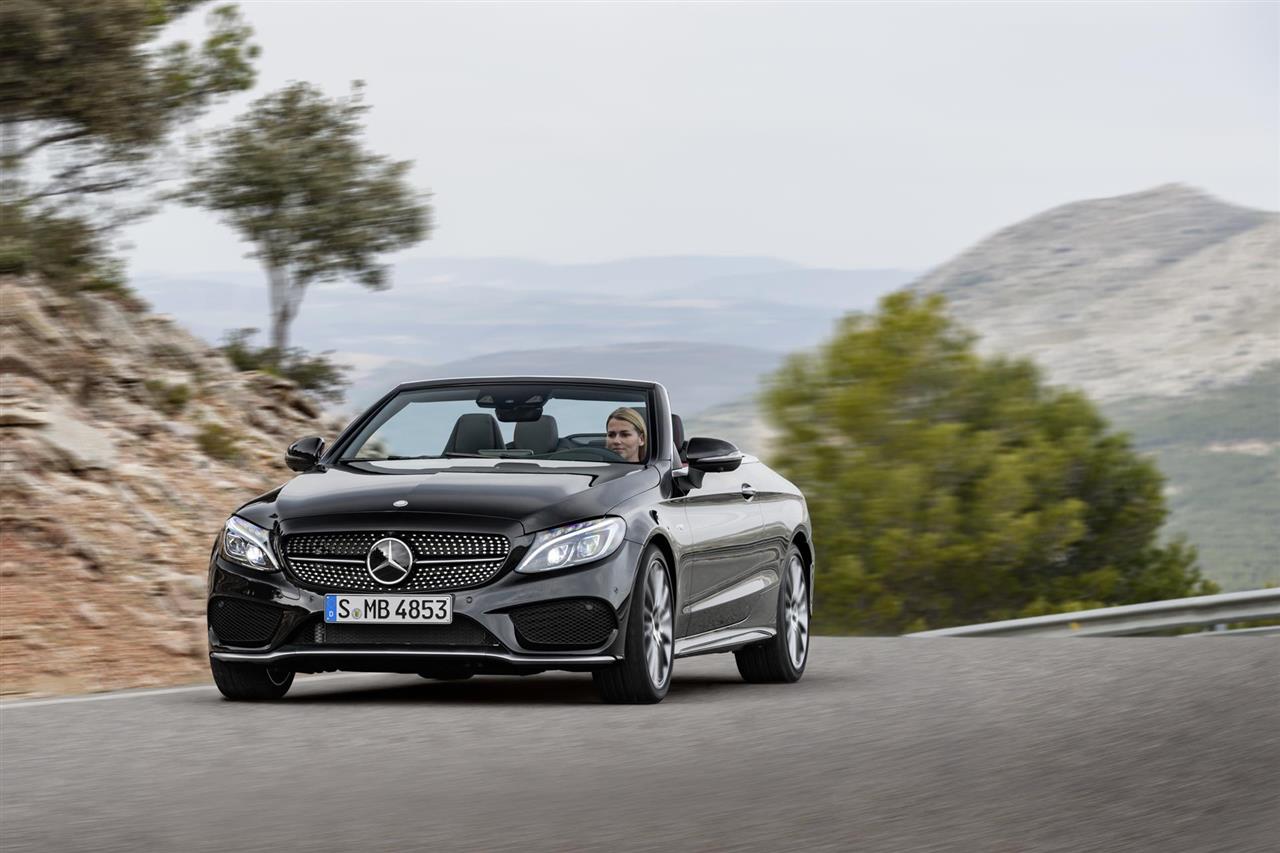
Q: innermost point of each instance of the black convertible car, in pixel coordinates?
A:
(514, 525)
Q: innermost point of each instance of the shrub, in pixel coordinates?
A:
(316, 374)
(170, 399)
(64, 250)
(218, 442)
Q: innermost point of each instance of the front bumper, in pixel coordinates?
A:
(383, 659)
(291, 643)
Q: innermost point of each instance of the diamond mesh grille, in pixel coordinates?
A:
(572, 623)
(336, 561)
(243, 622)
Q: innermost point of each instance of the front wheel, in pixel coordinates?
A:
(643, 676)
(782, 658)
(249, 681)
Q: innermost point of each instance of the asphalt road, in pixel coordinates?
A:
(892, 744)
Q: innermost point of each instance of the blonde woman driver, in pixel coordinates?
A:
(624, 434)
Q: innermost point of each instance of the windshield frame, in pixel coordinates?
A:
(655, 397)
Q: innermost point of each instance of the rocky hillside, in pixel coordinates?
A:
(124, 444)
(1161, 293)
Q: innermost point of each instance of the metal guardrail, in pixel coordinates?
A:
(1132, 618)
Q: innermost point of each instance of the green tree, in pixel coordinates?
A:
(946, 488)
(293, 178)
(86, 87)
(88, 97)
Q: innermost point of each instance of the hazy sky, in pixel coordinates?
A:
(829, 134)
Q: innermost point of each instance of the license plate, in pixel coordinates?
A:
(418, 609)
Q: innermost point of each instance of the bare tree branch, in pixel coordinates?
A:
(52, 139)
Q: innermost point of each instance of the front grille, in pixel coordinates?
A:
(571, 623)
(337, 561)
(462, 632)
(243, 622)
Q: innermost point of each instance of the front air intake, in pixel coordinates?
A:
(243, 623)
(572, 623)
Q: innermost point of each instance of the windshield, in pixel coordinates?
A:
(552, 422)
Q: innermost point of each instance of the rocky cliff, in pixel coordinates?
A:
(124, 444)
(1164, 293)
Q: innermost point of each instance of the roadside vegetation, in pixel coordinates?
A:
(168, 398)
(316, 374)
(947, 488)
(218, 442)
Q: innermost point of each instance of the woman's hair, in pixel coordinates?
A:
(631, 416)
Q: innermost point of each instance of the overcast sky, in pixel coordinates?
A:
(828, 134)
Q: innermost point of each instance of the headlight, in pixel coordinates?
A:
(248, 544)
(573, 545)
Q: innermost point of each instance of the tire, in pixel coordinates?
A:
(249, 682)
(643, 676)
(447, 673)
(783, 658)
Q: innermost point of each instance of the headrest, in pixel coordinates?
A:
(476, 431)
(540, 436)
(677, 434)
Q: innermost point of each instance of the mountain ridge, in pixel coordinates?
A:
(1164, 292)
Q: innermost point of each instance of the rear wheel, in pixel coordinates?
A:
(783, 658)
(643, 676)
(249, 682)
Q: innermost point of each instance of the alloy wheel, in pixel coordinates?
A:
(796, 613)
(658, 630)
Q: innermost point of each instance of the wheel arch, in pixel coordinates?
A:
(663, 544)
(801, 541)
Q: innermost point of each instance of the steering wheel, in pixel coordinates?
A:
(585, 439)
(586, 454)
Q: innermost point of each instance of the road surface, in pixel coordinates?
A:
(887, 744)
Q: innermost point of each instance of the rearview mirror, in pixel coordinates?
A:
(304, 454)
(712, 454)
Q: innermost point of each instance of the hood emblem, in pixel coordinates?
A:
(389, 561)
(400, 503)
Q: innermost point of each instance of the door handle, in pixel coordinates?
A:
(747, 491)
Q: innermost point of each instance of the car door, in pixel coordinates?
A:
(725, 528)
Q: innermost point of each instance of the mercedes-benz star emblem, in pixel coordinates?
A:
(389, 561)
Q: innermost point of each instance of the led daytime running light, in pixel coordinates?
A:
(248, 544)
(573, 545)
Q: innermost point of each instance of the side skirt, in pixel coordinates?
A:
(722, 640)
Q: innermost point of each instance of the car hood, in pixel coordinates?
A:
(516, 492)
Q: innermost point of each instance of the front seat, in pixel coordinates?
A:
(677, 430)
(473, 433)
(540, 436)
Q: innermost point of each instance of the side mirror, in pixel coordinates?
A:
(712, 454)
(304, 454)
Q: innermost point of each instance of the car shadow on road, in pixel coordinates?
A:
(558, 689)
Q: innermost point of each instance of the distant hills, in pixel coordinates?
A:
(696, 376)
(444, 310)
(1162, 305)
